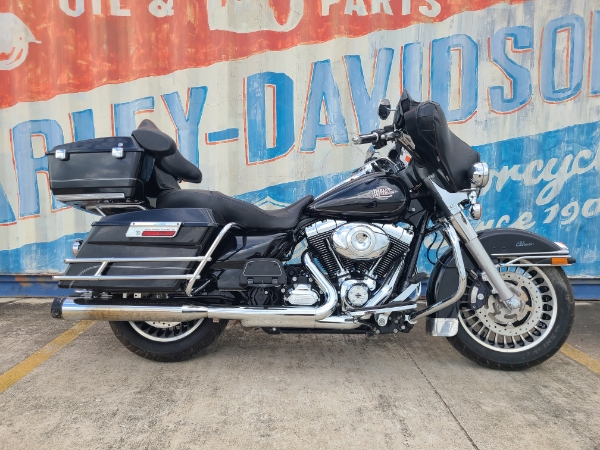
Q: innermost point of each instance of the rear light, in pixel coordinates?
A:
(169, 233)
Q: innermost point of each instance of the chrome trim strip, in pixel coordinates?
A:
(122, 278)
(534, 254)
(536, 265)
(79, 197)
(512, 262)
(128, 260)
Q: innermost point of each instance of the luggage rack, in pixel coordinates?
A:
(105, 262)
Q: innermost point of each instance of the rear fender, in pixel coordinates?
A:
(499, 243)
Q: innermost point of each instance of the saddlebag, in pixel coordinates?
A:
(175, 238)
(112, 170)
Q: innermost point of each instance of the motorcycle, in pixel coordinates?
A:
(169, 267)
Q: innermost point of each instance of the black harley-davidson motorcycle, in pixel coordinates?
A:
(169, 267)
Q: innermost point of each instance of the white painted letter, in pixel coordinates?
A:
(97, 7)
(591, 207)
(432, 10)
(357, 6)
(377, 4)
(161, 8)
(325, 5)
(523, 222)
(79, 7)
(115, 9)
(406, 7)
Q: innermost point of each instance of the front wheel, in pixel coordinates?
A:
(168, 341)
(499, 338)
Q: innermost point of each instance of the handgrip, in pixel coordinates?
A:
(365, 138)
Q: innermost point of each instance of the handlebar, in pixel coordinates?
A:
(370, 138)
(375, 136)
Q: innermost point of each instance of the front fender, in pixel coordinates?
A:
(498, 242)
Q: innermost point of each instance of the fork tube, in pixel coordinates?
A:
(479, 254)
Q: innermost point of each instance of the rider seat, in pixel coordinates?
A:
(234, 210)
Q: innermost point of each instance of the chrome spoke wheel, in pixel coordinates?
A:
(165, 331)
(504, 330)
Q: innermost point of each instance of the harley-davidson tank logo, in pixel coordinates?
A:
(380, 193)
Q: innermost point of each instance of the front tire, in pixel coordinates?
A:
(168, 341)
(509, 340)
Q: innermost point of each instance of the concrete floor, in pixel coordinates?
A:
(252, 390)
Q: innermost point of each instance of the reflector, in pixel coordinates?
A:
(167, 233)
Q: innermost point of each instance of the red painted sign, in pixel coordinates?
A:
(64, 46)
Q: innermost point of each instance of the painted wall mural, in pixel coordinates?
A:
(265, 95)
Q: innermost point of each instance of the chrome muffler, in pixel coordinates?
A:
(278, 317)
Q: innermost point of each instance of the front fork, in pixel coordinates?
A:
(457, 226)
(485, 263)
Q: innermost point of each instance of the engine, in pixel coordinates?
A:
(358, 254)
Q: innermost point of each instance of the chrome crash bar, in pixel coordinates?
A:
(452, 238)
(106, 262)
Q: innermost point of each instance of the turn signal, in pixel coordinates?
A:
(476, 211)
(560, 261)
(76, 246)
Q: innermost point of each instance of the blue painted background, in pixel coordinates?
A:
(547, 183)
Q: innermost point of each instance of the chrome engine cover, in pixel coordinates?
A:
(302, 295)
(360, 241)
(355, 293)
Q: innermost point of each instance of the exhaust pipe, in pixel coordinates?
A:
(278, 317)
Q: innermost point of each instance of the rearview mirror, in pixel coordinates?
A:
(385, 108)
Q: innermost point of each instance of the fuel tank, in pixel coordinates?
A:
(376, 196)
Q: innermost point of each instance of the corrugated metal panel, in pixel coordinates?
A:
(265, 95)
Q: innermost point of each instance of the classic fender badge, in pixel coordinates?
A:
(524, 244)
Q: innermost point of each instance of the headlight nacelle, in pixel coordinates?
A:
(479, 175)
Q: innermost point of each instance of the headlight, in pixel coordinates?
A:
(479, 174)
(76, 246)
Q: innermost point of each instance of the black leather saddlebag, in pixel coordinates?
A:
(157, 234)
(444, 153)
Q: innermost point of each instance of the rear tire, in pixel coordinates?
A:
(165, 341)
(490, 338)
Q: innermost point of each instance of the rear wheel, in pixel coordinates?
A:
(500, 338)
(168, 341)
